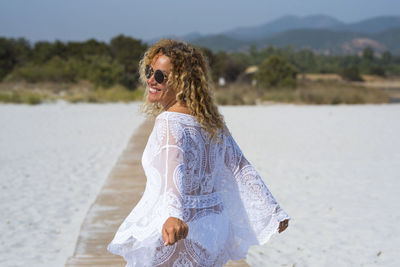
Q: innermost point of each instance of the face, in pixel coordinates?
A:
(159, 92)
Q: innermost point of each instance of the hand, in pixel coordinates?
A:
(283, 225)
(173, 230)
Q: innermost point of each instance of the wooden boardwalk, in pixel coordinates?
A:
(121, 192)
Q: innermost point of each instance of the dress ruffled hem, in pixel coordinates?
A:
(141, 253)
(241, 251)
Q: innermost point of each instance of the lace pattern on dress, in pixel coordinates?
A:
(211, 186)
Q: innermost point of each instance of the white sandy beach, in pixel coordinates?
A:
(54, 159)
(334, 169)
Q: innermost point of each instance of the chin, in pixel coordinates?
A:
(152, 99)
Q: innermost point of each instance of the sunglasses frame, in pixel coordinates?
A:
(159, 76)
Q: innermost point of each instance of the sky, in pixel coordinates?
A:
(79, 20)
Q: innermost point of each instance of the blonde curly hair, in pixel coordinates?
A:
(191, 81)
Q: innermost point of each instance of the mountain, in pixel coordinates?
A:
(282, 24)
(319, 40)
(391, 39)
(190, 37)
(373, 25)
(320, 33)
(221, 42)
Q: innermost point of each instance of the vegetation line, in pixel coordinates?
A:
(94, 71)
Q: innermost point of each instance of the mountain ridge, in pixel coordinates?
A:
(288, 22)
(320, 33)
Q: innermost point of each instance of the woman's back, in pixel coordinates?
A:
(207, 184)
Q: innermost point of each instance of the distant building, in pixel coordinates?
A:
(251, 70)
(248, 75)
(221, 81)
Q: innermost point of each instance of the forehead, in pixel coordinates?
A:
(161, 62)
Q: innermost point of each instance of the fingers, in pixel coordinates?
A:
(183, 232)
(174, 230)
(169, 235)
(165, 236)
(172, 237)
(283, 225)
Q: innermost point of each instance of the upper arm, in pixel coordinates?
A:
(169, 163)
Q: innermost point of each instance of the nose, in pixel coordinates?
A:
(151, 80)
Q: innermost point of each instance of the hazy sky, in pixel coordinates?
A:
(104, 19)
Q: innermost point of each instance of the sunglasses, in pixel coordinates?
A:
(159, 76)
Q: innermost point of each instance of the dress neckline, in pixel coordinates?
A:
(178, 113)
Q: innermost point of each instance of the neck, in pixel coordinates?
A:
(182, 108)
(169, 104)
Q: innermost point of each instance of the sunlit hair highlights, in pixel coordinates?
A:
(190, 79)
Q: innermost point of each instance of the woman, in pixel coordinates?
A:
(204, 203)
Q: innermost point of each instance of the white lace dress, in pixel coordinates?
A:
(210, 186)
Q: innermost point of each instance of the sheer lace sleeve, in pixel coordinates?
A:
(264, 213)
(169, 163)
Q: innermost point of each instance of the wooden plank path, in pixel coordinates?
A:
(121, 192)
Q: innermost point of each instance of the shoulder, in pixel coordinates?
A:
(169, 126)
(169, 119)
(176, 120)
(177, 117)
(186, 125)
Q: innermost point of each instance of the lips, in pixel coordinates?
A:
(154, 90)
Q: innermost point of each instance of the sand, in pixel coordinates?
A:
(334, 169)
(54, 159)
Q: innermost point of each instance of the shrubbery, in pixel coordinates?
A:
(116, 62)
(223, 65)
(277, 73)
(105, 72)
(104, 65)
(56, 70)
(350, 73)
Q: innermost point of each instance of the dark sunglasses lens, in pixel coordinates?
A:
(159, 76)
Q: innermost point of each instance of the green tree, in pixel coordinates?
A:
(225, 66)
(42, 52)
(253, 54)
(367, 60)
(128, 52)
(55, 70)
(368, 54)
(387, 57)
(86, 49)
(350, 73)
(7, 59)
(13, 52)
(377, 70)
(305, 61)
(276, 72)
(105, 72)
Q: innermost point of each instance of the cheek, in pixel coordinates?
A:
(170, 94)
(166, 92)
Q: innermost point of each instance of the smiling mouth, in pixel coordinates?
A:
(154, 90)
